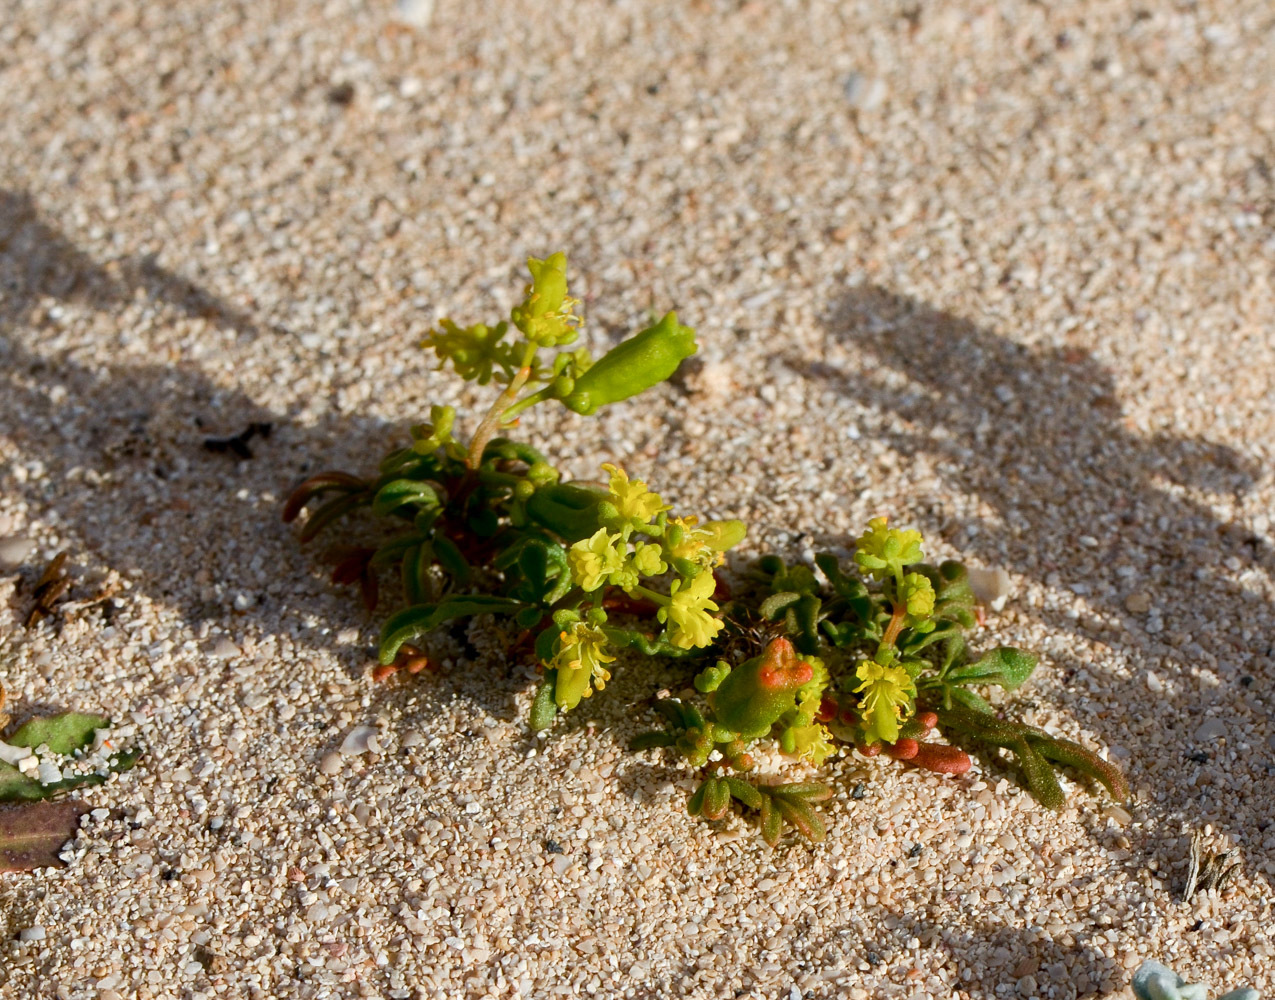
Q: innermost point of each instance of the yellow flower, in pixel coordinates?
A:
(594, 559)
(545, 314)
(647, 561)
(886, 692)
(631, 498)
(688, 607)
(883, 552)
(683, 539)
(582, 651)
(814, 742)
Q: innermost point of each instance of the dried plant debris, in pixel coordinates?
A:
(237, 444)
(1207, 870)
(52, 585)
(32, 835)
(56, 753)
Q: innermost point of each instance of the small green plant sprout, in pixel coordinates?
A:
(1153, 981)
(811, 661)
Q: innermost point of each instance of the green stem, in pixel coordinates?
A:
(539, 396)
(495, 416)
(653, 595)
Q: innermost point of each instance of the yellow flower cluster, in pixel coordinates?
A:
(882, 552)
(688, 609)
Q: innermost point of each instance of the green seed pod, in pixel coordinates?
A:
(756, 694)
(633, 366)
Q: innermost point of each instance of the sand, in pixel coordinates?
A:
(1000, 271)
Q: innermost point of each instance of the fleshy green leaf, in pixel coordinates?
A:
(744, 792)
(545, 707)
(409, 623)
(1006, 667)
(803, 817)
(716, 798)
(402, 492)
(771, 821)
(651, 740)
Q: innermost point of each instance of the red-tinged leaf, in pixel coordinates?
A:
(902, 748)
(771, 822)
(322, 483)
(803, 817)
(941, 759)
(32, 835)
(329, 512)
(716, 798)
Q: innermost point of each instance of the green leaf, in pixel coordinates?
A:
(695, 804)
(1087, 762)
(392, 551)
(1006, 667)
(402, 492)
(775, 605)
(1040, 776)
(802, 620)
(64, 733)
(651, 740)
(915, 641)
(416, 564)
(745, 792)
(645, 644)
(407, 624)
(771, 821)
(32, 836)
(545, 707)
(972, 701)
(815, 791)
(450, 558)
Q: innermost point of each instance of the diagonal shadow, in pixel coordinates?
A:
(1078, 499)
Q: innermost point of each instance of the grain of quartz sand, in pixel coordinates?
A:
(1001, 271)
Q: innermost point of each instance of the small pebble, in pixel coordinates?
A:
(33, 933)
(331, 763)
(1138, 604)
(14, 551)
(1210, 729)
(224, 649)
(865, 93)
(359, 740)
(417, 13)
(992, 587)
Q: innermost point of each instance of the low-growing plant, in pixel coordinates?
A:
(813, 660)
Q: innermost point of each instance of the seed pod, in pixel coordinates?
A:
(633, 366)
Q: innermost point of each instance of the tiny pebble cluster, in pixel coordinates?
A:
(998, 270)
